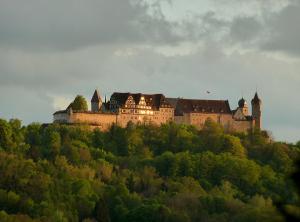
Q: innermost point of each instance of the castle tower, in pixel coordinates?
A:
(256, 110)
(243, 106)
(96, 102)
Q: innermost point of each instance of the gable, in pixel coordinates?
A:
(239, 115)
(130, 101)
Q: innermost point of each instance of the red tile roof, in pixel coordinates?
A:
(195, 105)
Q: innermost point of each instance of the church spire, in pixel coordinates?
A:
(96, 97)
(256, 99)
(96, 102)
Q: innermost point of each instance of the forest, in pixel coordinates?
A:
(167, 173)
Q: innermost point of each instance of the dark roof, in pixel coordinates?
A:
(256, 99)
(96, 97)
(60, 111)
(249, 118)
(242, 103)
(119, 97)
(153, 100)
(106, 105)
(204, 106)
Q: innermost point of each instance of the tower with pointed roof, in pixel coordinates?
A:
(96, 102)
(256, 110)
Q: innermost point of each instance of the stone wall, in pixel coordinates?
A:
(163, 115)
(226, 120)
(101, 120)
(241, 126)
(198, 119)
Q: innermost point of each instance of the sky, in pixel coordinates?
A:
(51, 51)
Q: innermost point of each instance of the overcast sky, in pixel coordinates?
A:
(50, 51)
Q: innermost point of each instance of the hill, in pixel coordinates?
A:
(169, 173)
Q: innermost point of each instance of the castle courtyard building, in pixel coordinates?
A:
(158, 109)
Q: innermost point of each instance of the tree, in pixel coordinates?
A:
(149, 213)
(211, 135)
(168, 173)
(233, 145)
(52, 143)
(298, 144)
(79, 104)
(17, 131)
(167, 164)
(5, 135)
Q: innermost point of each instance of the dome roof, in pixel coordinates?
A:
(242, 103)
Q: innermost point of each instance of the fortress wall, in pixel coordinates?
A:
(198, 119)
(185, 119)
(226, 120)
(124, 118)
(105, 120)
(101, 120)
(241, 126)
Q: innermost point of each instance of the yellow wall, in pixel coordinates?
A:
(164, 115)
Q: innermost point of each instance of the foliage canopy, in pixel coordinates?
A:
(172, 173)
(79, 104)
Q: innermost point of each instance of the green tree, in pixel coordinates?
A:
(5, 135)
(233, 145)
(167, 164)
(52, 142)
(211, 135)
(149, 213)
(79, 104)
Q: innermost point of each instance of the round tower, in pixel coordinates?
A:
(256, 110)
(96, 102)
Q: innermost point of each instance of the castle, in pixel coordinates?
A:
(158, 109)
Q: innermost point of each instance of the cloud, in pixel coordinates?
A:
(71, 24)
(284, 30)
(244, 29)
(270, 30)
(60, 102)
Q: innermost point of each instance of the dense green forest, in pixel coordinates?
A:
(168, 173)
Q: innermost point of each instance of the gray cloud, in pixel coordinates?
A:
(270, 31)
(284, 30)
(244, 29)
(69, 24)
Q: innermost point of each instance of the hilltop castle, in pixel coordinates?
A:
(158, 109)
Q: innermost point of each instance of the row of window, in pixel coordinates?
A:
(141, 118)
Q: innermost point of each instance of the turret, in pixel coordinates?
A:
(243, 106)
(256, 110)
(96, 102)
